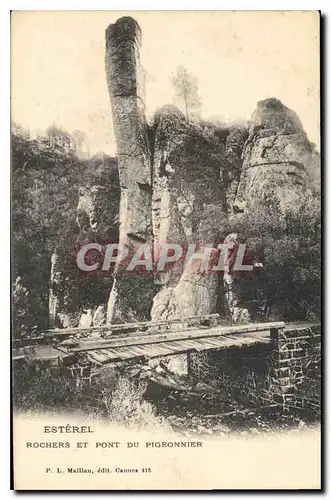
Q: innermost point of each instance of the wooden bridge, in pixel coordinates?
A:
(153, 339)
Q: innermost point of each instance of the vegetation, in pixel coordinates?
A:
(114, 398)
(46, 176)
(289, 247)
(186, 90)
(110, 396)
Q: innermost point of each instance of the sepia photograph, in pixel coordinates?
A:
(166, 250)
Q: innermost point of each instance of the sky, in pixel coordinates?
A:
(239, 58)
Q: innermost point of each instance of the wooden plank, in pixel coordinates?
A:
(162, 349)
(172, 348)
(108, 353)
(214, 341)
(139, 351)
(253, 337)
(92, 359)
(188, 334)
(126, 326)
(135, 350)
(258, 335)
(155, 338)
(155, 350)
(231, 340)
(187, 344)
(159, 349)
(143, 350)
(208, 343)
(126, 355)
(167, 348)
(101, 358)
(202, 347)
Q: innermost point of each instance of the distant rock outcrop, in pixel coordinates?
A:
(276, 158)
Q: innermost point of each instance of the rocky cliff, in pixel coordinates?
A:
(183, 182)
(187, 189)
(276, 158)
(77, 297)
(187, 183)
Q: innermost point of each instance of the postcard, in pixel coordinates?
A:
(166, 250)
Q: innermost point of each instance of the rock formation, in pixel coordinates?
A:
(56, 314)
(186, 189)
(79, 298)
(181, 182)
(233, 293)
(230, 175)
(125, 78)
(275, 159)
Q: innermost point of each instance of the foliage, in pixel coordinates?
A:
(289, 245)
(44, 190)
(186, 90)
(45, 182)
(22, 319)
(44, 390)
(110, 397)
(126, 405)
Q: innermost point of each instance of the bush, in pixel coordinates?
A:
(39, 389)
(110, 397)
(126, 405)
(289, 245)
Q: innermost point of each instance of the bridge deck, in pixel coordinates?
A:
(151, 343)
(167, 348)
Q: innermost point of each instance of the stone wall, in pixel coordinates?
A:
(296, 367)
(244, 373)
(81, 372)
(286, 371)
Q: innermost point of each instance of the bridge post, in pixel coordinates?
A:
(295, 367)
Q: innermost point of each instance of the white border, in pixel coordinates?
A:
(6, 6)
(167, 5)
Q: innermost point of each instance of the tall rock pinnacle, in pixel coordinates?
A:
(125, 78)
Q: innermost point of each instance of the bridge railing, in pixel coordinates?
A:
(115, 329)
(206, 320)
(189, 334)
(140, 332)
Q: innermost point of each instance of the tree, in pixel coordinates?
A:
(45, 182)
(290, 249)
(186, 90)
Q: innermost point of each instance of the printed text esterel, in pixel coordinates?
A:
(68, 429)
